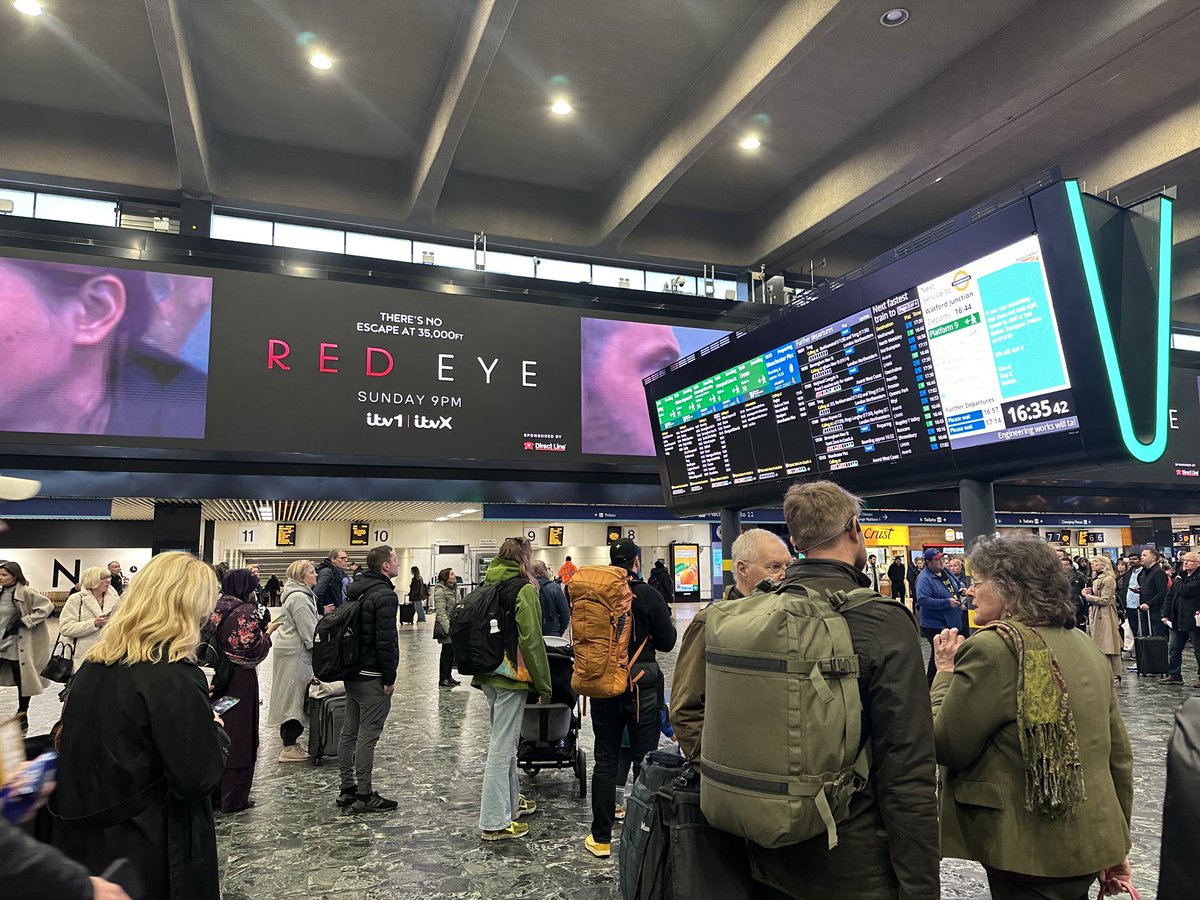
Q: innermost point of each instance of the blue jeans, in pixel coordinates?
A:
(501, 787)
(1179, 640)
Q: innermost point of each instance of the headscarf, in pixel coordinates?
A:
(238, 630)
(240, 583)
(1049, 745)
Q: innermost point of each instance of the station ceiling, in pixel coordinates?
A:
(435, 116)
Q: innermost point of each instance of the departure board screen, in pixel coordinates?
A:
(968, 358)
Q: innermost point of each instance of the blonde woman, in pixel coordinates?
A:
(141, 748)
(1101, 598)
(292, 632)
(88, 610)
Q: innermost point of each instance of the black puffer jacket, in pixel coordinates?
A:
(378, 647)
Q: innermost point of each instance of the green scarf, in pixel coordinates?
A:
(1053, 772)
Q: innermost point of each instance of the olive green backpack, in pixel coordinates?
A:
(780, 754)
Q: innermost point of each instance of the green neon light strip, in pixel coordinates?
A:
(1140, 451)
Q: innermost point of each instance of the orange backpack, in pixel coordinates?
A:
(601, 622)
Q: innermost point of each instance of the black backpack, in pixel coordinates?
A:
(484, 626)
(335, 650)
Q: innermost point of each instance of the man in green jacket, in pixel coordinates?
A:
(507, 690)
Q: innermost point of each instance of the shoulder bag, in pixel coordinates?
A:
(61, 665)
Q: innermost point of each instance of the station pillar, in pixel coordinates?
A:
(177, 527)
(731, 527)
(978, 504)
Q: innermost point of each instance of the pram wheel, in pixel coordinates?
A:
(581, 771)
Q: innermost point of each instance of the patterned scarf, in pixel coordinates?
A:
(1053, 771)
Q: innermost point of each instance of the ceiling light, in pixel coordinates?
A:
(320, 61)
(561, 107)
(470, 509)
(894, 17)
(29, 7)
(440, 519)
(750, 142)
(266, 513)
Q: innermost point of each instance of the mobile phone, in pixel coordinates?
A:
(122, 873)
(225, 704)
(21, 796)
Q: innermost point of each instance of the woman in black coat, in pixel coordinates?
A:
(141, 750)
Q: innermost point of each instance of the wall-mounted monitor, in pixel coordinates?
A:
(959, 358)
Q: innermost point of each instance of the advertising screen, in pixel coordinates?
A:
(321, 370)
(685, 568)
(96, 350)
(968, 358)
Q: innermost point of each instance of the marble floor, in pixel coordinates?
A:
(296, 844)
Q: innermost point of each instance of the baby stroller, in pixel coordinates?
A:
(550, 733)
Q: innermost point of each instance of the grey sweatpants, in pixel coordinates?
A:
(367, 708)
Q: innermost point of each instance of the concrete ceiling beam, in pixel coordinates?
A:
(771, 42)
(976, 103)
(469, 60)
(192, 147)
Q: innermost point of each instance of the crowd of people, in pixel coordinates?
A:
(1019, 724)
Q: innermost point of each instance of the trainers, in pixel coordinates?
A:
(596, 848)
(525, 807)
(514, 830)
(294, 753)
(1170, 680)
(346, 796)
(372, 802)
(619, 813)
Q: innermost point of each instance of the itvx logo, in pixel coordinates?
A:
(416, 421)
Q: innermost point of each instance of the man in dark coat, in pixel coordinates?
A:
(896, 576)
(556, 613)
(331, 574)
(1183, 604)
(369, 693)
(660, 579)
(888, 845)
(1152, 591)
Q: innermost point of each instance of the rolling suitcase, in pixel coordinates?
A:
(325, 715)
(1150, 651)
(408, 612)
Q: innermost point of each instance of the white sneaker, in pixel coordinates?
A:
(293, 753)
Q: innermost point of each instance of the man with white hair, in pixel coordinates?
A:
(758, 555)
(1181, 611)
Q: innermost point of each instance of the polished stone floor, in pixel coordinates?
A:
(296, 844)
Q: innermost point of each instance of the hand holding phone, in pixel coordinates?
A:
(224, 705)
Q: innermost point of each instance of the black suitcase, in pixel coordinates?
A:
(1150, 651)
(325, 717)
(408, 612)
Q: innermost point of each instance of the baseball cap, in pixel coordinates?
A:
(623, 551)
(933, 553)
(18, 488)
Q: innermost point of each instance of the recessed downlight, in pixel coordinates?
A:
(28, 7)
(320, 61)
(750, 142)
(894, 17)
(561, 107)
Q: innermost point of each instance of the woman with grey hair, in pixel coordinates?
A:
(1037, 784)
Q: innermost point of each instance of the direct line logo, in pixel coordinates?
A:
(962, 278)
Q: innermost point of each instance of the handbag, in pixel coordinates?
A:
(60, 666)
(1126, 887)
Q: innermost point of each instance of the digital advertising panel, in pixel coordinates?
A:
(243, 365)
(99, 350)
(685, 568)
